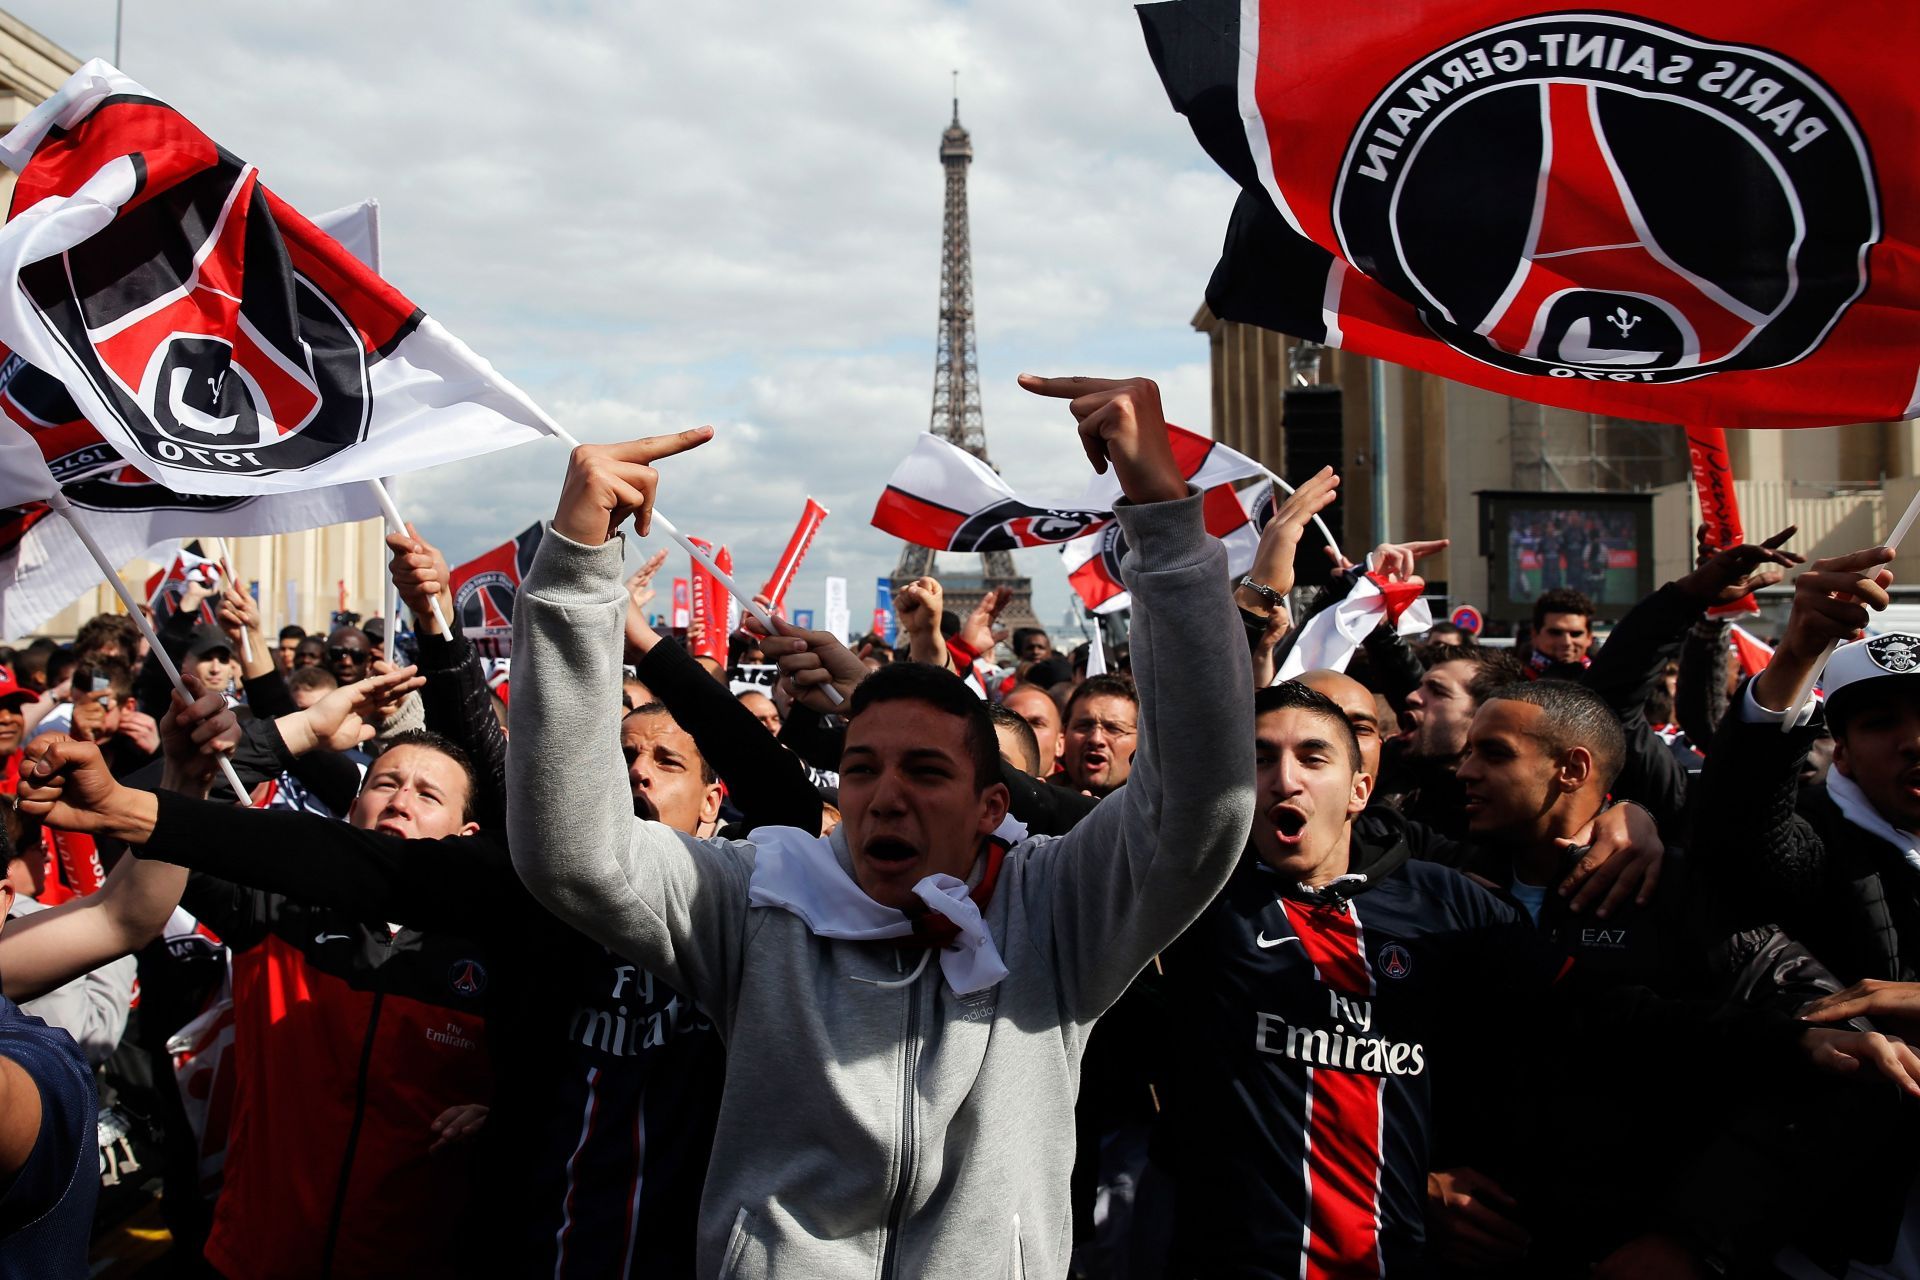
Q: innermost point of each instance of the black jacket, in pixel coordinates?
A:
(1625, 672)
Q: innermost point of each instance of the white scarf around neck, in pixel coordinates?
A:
(796, 872)
(1855, 808)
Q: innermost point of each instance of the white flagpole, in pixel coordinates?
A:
(226, 571)
(1800, 695)
(58, 501)
(400, 526)
(704, 560)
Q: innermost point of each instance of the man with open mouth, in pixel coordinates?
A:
(905, 1003)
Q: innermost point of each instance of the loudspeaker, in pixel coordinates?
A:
(1315, 439)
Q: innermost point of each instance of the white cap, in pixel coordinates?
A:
(1897, 653)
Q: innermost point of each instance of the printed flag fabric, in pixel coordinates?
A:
(1687, 211)
(1330, 638)
(164, 588)
(485, 587)
(43, 566)
(216, 338)
(945, 498)
(1750, 651)
(1093, 564)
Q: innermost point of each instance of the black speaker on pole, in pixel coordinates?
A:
(1311, 416)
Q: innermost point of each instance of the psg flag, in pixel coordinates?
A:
(485, 588)
(1692, 211)
(216, 338)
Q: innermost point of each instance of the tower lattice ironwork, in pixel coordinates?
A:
(956, 389)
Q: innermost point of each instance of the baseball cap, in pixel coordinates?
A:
(207, 638)
(13, 689)
(1858, 669)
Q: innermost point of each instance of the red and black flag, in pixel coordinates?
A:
(1692, 211)
(214, 336)
(484, 589)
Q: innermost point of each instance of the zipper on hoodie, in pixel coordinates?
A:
(353, 1136)
(889, 1258)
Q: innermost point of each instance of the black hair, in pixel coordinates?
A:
(1493, 669)
(1573, 716)
(943, 691)
(1022, 634)
(1007, 718)
(293, 632)
(428, 740)
(1291, 695)
(1101, 686)
(650, 709)
(1561, 600)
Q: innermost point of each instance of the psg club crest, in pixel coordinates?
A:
(468, 977)
(1012, 524)
(1587, 195)
(1396, 961)
(1894, 653)
(195, 328)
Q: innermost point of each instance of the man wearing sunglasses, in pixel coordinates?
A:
(349, 655)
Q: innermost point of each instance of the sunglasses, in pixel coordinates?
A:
(338, 651)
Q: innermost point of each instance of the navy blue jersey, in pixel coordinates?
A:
(1299, 1109)
(46, 1210)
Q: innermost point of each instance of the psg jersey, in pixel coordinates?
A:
(1298, 1114)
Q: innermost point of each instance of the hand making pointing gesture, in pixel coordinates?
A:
(609, 484)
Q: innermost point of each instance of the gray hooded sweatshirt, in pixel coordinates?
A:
(867, 1132)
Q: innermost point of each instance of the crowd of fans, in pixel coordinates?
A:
(945, 958)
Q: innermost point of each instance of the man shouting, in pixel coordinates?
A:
(905, 1002)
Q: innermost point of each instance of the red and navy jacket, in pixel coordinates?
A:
(1298, 1110)
(349, 1041)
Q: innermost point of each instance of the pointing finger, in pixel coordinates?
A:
(649, 448)
(1068, 388)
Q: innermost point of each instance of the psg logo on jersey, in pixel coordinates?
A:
(1008, 525)
(1396, 961)
(1587, 195)
(468, 977)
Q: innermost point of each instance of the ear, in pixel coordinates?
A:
(1362, 789)
(710, 804)
(1841, 759)
(993, 809)
(1575, 769)
(471, 829)
(6, 900)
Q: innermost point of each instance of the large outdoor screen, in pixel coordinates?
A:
(1600, 544)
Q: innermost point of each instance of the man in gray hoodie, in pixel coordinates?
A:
(884, 1116)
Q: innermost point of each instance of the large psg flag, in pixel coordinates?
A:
(485, 587)
(43, 564)
(217, 338)
(1693, 211)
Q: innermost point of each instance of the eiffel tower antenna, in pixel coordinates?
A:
(957, 417)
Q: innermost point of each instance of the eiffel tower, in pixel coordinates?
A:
(956, 393)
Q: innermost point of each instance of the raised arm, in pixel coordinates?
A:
(51, 948)
(1137, 870)
(456, 699)
(668, 902)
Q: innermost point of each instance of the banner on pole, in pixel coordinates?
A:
(682, 604)
(835, 614)
(485, 588)
(884, 623)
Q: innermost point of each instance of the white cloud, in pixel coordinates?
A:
(657, 216)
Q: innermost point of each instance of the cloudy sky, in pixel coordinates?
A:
(656, 216)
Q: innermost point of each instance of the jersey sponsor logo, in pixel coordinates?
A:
(1604, 241)
(467, 977)
(1895, 653)
(454, 1036)
(633, 1017)
(1603, 939)
(1396, 961)
(1345, 1046)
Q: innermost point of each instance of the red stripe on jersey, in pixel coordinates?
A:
(1343, 1114)
(573, 1185)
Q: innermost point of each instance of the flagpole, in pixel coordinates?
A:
(1812, 681)
(58, 501)
(704, 560)
(226, 570)
(400, 526)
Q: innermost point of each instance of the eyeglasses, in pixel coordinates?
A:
(1085, 727)
(339, 651)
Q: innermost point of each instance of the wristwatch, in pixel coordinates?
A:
(1261, 589)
